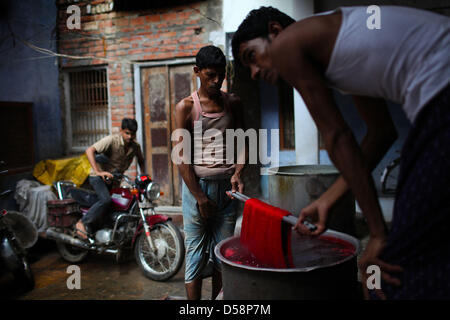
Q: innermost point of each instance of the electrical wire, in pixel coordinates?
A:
(68, 56)
(77, 35)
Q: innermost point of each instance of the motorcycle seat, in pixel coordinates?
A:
(86, 198)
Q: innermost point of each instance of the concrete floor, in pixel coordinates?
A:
(102, 278)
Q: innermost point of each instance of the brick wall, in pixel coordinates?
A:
(116, 38)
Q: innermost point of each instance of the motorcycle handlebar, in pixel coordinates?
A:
(120, 176)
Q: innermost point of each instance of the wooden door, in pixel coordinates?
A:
(182, 83)
(162, 88)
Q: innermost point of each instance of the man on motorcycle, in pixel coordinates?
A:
(120, 149)
(209, 216)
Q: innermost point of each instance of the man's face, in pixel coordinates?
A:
(254, 54)
(211, 79)
(127, 135)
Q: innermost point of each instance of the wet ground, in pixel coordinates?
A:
(102, 278)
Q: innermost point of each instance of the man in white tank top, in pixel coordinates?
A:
(405, 59)
(209, 215)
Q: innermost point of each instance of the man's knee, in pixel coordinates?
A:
(105, 202)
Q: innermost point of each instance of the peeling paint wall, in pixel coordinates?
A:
(29, 76)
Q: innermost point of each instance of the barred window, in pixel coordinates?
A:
(88, 108)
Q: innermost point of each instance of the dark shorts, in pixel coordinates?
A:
(419, 239)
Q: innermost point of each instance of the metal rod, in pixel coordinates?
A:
(288, 219)
(238, 196)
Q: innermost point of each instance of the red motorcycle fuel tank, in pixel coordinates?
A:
(121, 198)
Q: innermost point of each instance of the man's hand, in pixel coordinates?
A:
(104, 175)
(316, 213)
(370, 257)
(236, 183)
(206, 207)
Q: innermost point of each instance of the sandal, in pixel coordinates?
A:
(80, 232)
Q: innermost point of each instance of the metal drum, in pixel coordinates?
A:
(322, 280)
(294, 187)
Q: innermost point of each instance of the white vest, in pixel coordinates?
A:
(406, 61)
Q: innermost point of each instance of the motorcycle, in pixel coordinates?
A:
(132, 224)
(17, 233)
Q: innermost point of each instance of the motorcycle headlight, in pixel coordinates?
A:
(152, 191)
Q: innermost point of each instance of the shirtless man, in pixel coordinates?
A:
(209, 215)
(407, 61)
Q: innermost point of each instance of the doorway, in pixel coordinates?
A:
(162, 87)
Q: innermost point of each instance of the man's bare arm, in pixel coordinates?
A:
(182, 117)
(380, 135)
(298, 68)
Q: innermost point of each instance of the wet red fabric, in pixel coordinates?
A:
(261, 233)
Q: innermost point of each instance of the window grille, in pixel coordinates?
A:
(88, 107)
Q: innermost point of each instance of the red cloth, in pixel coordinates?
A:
(262, 234)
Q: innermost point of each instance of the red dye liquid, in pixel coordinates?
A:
(238, 253)
(261, 242)
(261, 234)
(339, 246)
(307, 252)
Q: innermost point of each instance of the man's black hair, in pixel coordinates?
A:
(130, 124)
(256, 25)
(210, 57)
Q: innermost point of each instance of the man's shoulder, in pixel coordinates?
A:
(306, 32)
(106, 140)
(232, 97)
(113, 138)
(135, 145)
(185, 105)
(233, 100)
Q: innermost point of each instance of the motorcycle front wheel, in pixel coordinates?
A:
(163, 263)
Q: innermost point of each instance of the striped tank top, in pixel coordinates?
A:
(209, 140)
